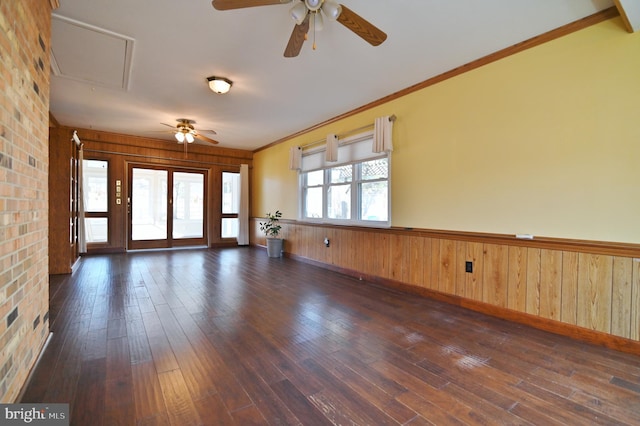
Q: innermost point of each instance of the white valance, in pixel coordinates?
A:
(350, 150)
(350, 147)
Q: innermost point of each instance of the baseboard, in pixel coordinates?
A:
(33, 368)
(575, 332)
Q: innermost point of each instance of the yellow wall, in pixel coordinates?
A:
(545, 142)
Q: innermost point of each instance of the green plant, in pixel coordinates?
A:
(271, 228)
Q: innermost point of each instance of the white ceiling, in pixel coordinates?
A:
(177, 44)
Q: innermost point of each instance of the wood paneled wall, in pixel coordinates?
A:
(587, 286)
(121, 150)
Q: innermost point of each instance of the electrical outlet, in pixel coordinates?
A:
(326, 241)
(468, 267)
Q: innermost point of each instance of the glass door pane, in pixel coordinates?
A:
(149, 204)
(230, 204)
(95, 185)
(95, 200)
(188, 205)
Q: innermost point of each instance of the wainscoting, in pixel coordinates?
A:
(583, 289)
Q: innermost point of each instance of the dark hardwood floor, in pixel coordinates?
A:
(231, 337)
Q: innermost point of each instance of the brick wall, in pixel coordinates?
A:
(25, 28)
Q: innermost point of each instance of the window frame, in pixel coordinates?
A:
(355, 185)
(98, 214)
(224, 215)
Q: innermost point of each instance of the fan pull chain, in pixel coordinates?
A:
(314, 31)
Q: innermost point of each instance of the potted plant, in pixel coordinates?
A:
(271, 229)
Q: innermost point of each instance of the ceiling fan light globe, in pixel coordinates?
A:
(313, 5)
(331, 9)
(299, 12)
(180, 137)
(189, 137)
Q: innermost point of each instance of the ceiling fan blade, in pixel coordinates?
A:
(169, 125)
(206, 139)
(213, 132)
(297, 39)
(239, 4)
(363, 28)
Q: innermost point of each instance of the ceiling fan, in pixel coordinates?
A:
(185, 132)
(306, 12)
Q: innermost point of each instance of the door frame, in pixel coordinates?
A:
(169, 242)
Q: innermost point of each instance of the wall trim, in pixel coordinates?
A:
(572, 27)
(574, 332)
(550, 243)
(34, 367)
(52, 121)
(119, 140)
(609, 248)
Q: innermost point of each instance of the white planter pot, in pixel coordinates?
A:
(274, 247)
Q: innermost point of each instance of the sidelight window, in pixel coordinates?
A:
(95, 189)
(230, 204)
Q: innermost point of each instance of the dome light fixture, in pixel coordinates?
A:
(220, 85)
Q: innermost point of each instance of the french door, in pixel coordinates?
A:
(166, 207)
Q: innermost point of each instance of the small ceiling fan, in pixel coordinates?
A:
(306, 12)
(185, 132)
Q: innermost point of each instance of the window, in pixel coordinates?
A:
(96, 205)
(230, 204)
(353, 190)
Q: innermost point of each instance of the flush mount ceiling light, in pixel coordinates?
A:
(220, 85)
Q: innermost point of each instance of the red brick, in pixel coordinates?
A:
(23, 190)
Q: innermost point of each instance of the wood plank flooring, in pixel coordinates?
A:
(232, 337)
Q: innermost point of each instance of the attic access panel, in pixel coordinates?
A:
(89, 54)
